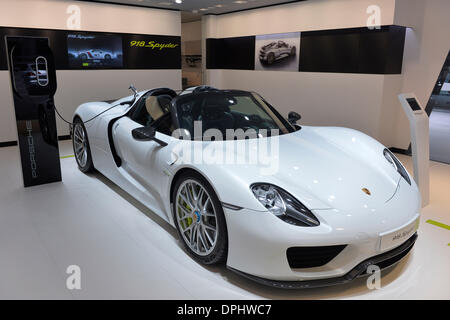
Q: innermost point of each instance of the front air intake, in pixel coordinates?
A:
(310, 257)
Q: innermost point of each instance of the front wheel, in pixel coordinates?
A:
(81, 147)
(199, 219)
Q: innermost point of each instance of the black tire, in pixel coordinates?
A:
(107, 57)
(89, 165)
(293, 51)
(220, 251)
(270, 58)
(83, 56)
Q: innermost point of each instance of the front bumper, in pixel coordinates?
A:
(259, 242)
(383, 261)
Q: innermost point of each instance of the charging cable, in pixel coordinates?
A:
(84, 122)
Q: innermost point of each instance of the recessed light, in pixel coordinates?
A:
(240, 1)
(178, 1)
(219, 5)
(203, 9)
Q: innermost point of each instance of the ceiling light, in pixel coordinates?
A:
(178, 1)
(203, 9)
(240, 1)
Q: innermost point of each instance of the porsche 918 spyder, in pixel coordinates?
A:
(274, 51)
(335, 202)
(95, 54)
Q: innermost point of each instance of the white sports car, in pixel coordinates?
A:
(319, 208)
(273, 51)
(95, 54)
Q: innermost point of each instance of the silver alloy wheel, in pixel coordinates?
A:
(80, 144)
(196, 217)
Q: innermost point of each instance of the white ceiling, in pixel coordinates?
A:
(202, 6)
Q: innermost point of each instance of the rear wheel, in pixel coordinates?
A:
(293, 51)
(81, 147)
(199, 219)
(270, 58)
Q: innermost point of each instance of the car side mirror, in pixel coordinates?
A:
(147, 134)
(293, 117)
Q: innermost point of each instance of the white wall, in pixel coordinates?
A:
(191, 31)
(332, 99)
(426, 48)
(51, 14)
(302, 16)
(191, 44)
(76, 87)
(364, 102)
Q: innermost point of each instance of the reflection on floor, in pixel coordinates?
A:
(440, 135)
(127, 252)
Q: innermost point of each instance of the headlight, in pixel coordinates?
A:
(396, 164)
(283, 205)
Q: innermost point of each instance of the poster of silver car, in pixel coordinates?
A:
(277, 51)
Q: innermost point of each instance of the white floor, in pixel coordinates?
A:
(127, 252)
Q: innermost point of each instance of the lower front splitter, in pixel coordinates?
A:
(383, 260)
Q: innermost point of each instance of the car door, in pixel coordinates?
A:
(143, 162)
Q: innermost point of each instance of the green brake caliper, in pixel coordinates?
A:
(186, 222)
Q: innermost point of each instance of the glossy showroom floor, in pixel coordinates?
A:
(126, 252)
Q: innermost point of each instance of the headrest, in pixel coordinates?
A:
(164, 101)
(153, 107)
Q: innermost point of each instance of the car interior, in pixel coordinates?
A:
(165, 111)
(153, 109)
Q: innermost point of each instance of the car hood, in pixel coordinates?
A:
(323, 167)
(334, 172)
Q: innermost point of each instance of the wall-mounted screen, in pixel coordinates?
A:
(89, 50)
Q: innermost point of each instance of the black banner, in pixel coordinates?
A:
(79, 50)
(355, 50)
(152, 52)
(227, 310)
(231, 53)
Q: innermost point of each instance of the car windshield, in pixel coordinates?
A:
(224, 110)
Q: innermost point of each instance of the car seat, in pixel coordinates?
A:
(157, 106)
